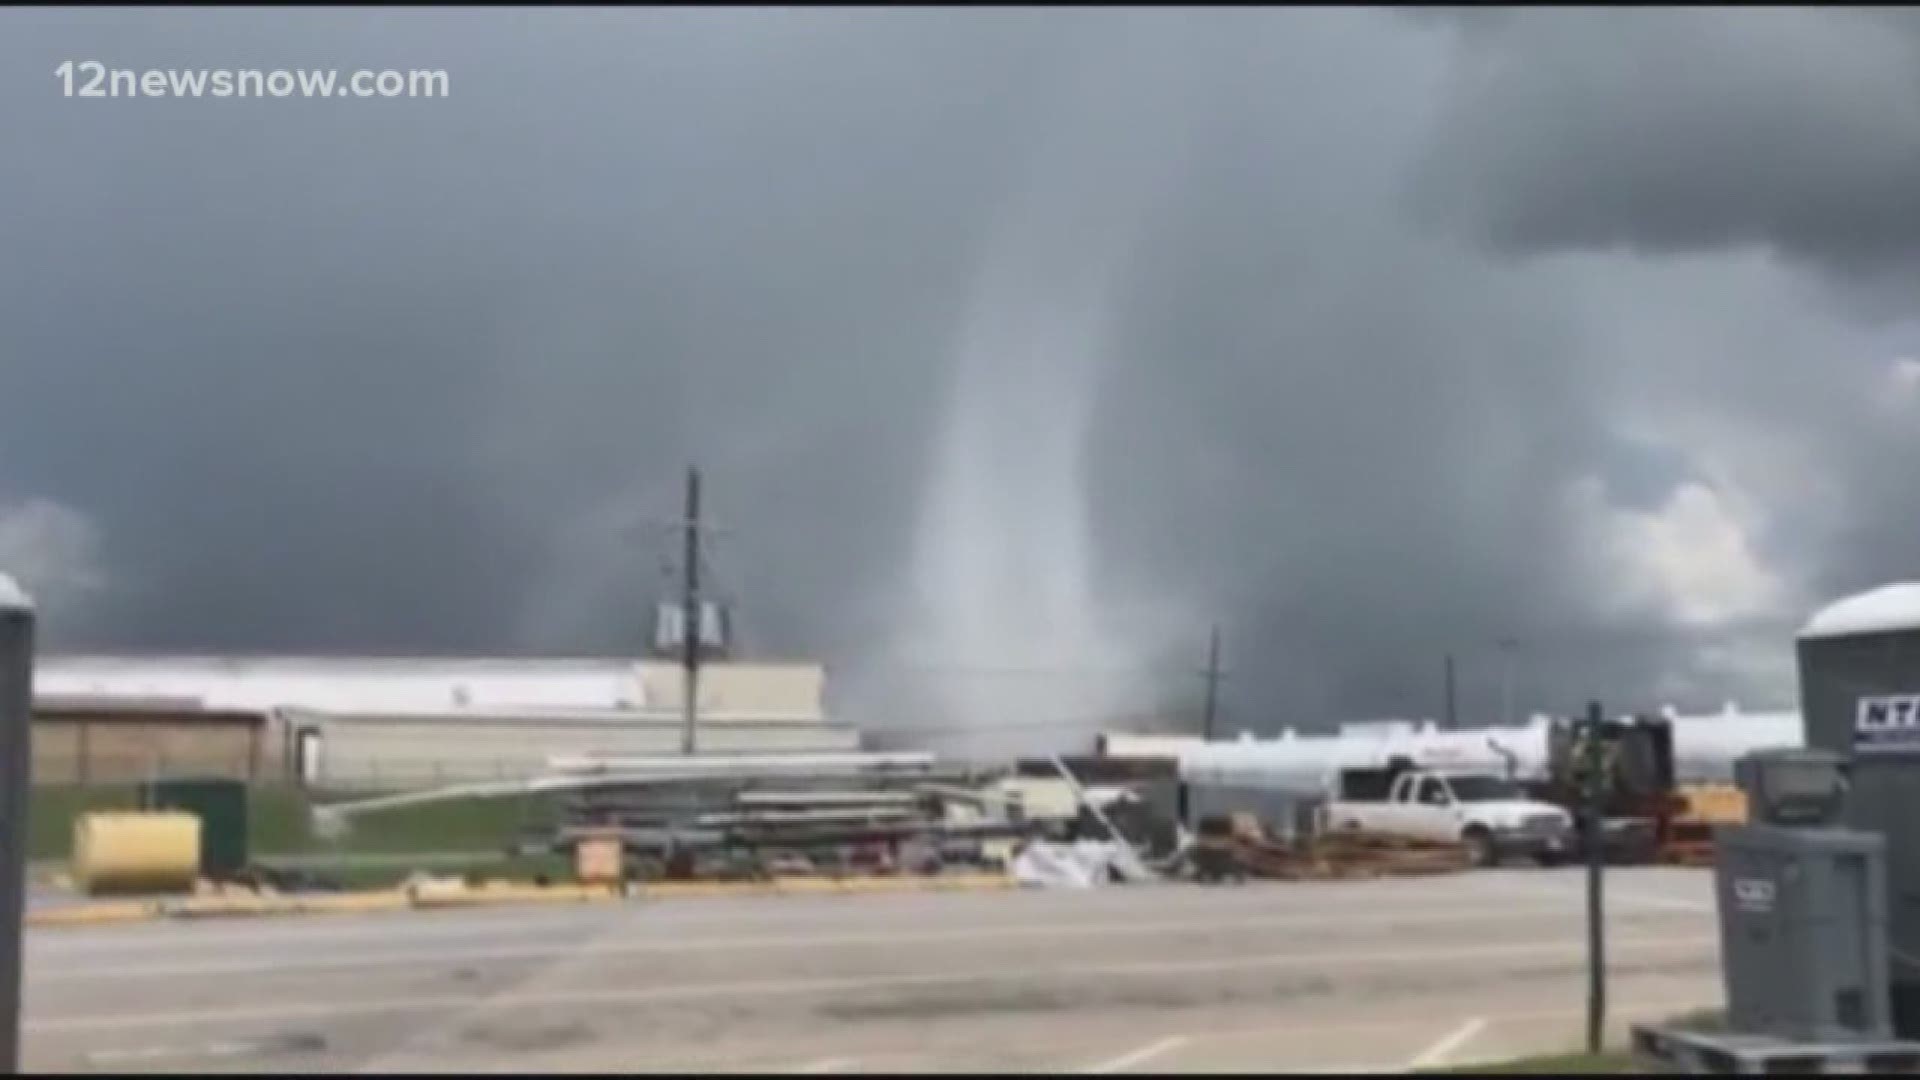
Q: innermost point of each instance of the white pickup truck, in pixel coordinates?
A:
(1488, 813)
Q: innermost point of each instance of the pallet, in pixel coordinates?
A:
(1686, 854)
(1664, 1049)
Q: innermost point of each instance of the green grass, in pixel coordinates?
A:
(454, 825)
(278, 822)
(51, 810)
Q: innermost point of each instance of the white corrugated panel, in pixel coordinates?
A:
(1705, 747)
(451, 746)
(1122, 745)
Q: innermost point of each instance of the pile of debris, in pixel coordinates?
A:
(924, 820)
(1367, 855)
(1079, 864)
(1238, 846)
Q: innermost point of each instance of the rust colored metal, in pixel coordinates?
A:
(1344, 856)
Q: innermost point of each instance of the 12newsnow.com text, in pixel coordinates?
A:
(91, 78)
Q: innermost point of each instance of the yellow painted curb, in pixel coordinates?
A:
(702, 890)
(319, 904)
(429, 897)
(796, 886)
(355, 903)
(215, 907)
(103, 913)
(93, 914)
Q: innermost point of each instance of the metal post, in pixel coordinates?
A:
(16, 758)
(690, 618)
(1594, 780)
(1449, 715)
(1209, 708)
(1213, 684)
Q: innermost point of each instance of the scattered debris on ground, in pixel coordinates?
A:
(1238, 847)
(1082, 864)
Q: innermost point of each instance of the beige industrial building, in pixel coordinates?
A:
(378, 722)
(93, 741)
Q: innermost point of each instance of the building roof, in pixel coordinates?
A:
(433, 685)
(346, 683)
(647, 718)
(137, 710)
(1886, 609)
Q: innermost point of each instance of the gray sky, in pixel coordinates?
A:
(1401, 331)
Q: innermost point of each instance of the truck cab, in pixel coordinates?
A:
(1489, 813)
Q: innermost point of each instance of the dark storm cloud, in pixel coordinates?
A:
(422, 375)
(1697, 135)
(330, 351)
(1676, 129)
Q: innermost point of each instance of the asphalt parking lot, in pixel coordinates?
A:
(1354, 976)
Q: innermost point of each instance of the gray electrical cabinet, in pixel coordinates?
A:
(1803, 932)
(1859, 662)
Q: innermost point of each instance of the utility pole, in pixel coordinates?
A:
(690, 617)
(1213, 684)
(1449, 713)
(16, 754)
(1209, 708)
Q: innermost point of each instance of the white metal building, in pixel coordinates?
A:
(354, 720)
(261, 683)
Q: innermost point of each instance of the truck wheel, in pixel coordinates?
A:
(1479, 844)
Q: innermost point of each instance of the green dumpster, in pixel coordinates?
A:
(221, 806)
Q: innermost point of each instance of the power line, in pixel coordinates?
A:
(1089, 723)
(1036, 670)
(1165, 722)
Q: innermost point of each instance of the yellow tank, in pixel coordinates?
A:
(121, 852)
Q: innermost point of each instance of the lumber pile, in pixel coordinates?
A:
(1238, 847)
(1369, 855)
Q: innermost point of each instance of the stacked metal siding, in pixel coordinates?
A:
(398, 749)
